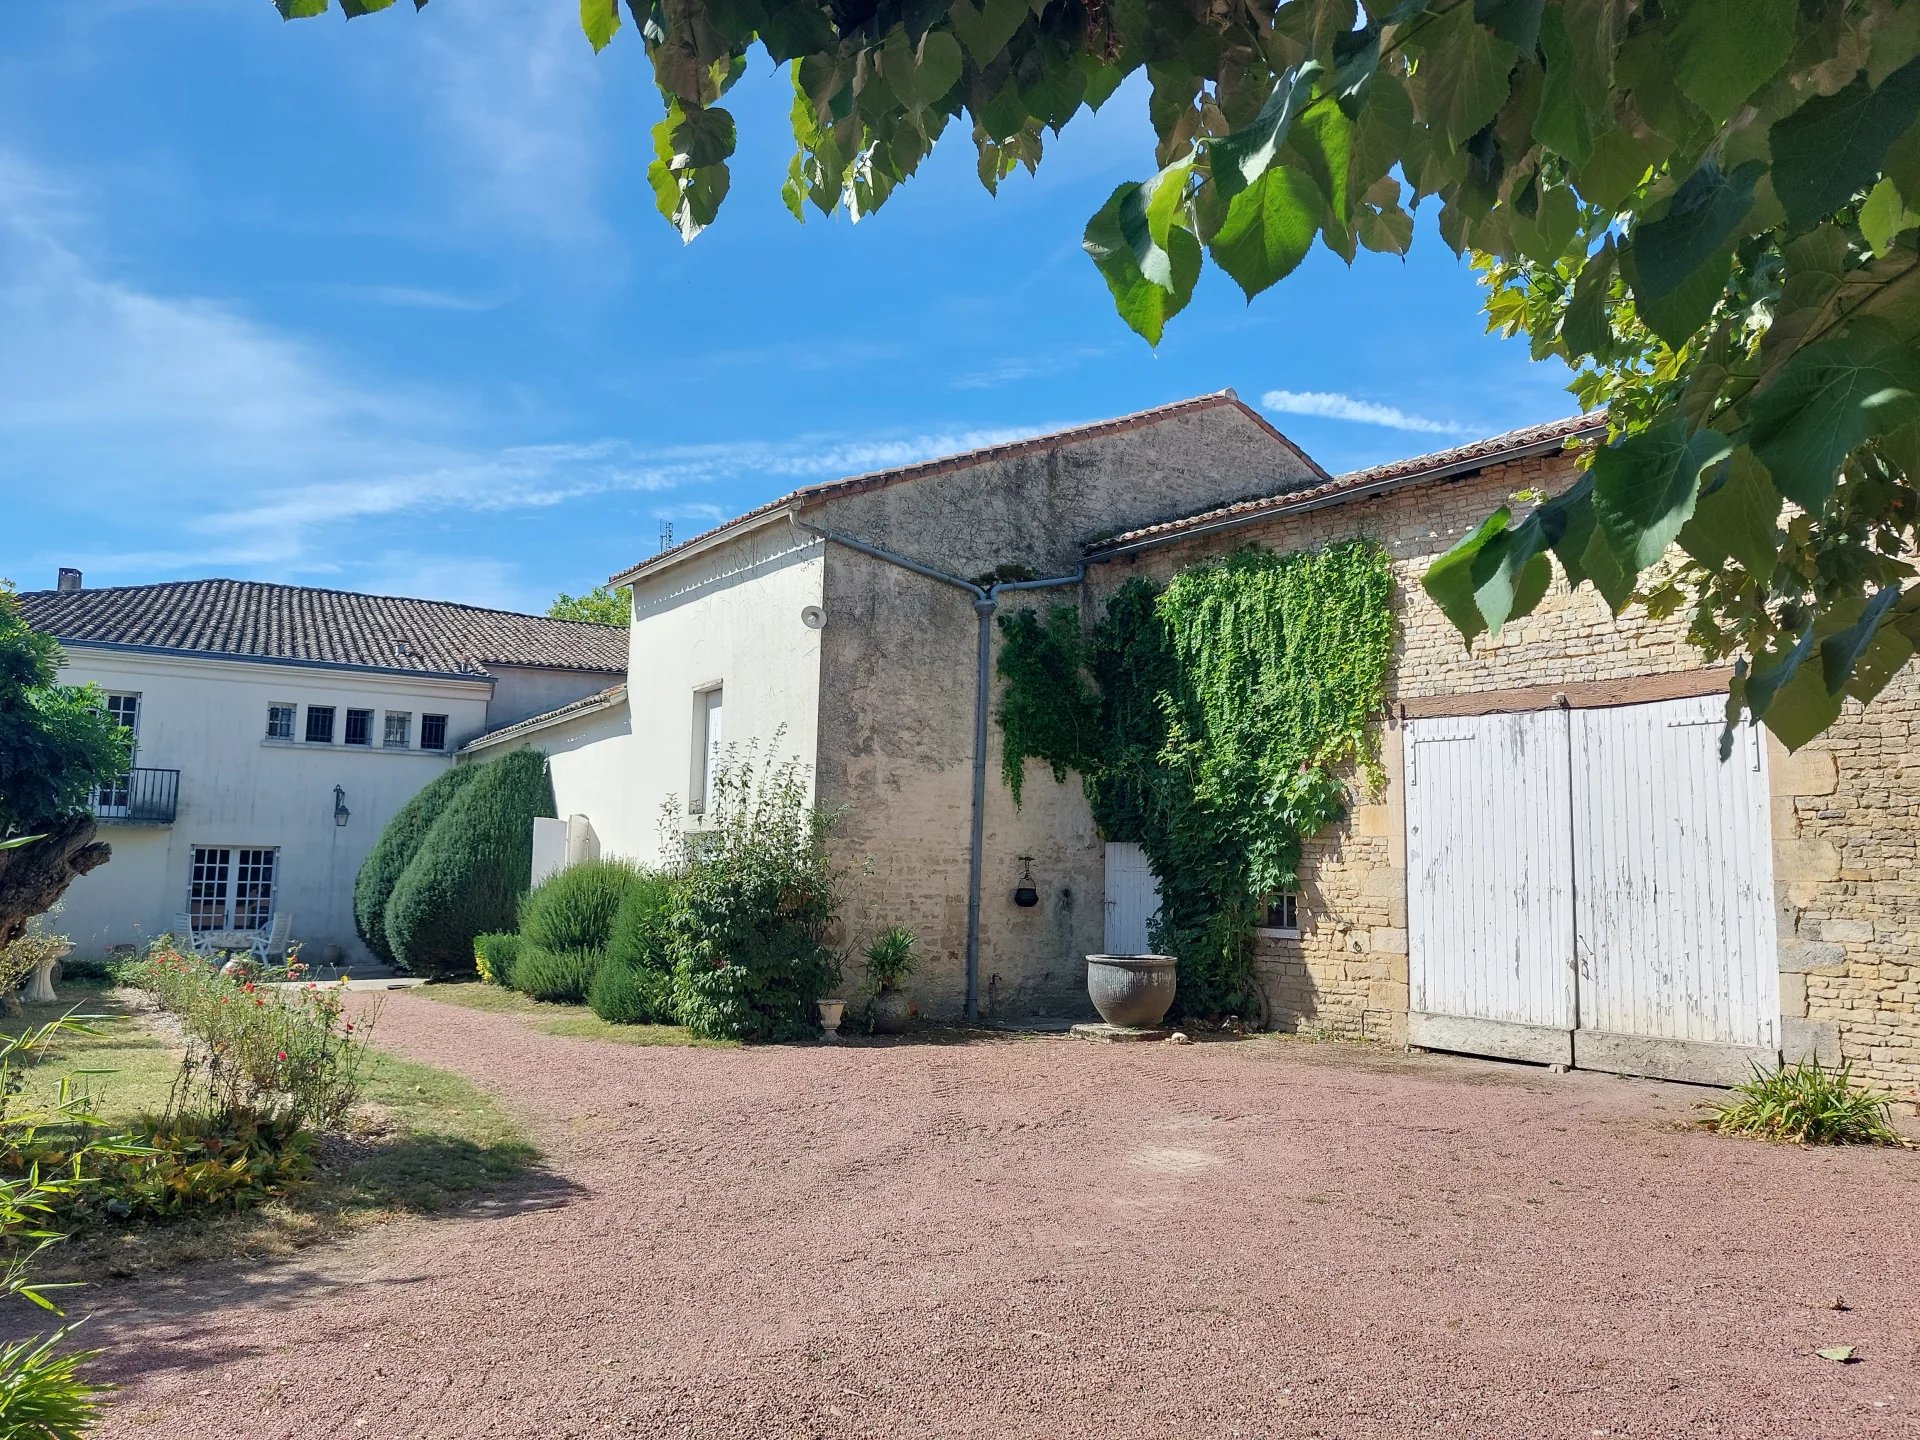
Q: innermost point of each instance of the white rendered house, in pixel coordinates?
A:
(277, 730)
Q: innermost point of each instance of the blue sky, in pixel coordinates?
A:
(385, 305)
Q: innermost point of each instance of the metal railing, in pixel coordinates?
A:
(139, 797)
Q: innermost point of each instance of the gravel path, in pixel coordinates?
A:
(1036, 1237)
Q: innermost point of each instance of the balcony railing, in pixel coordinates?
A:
(139, 797)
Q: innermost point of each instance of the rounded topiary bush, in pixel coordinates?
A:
(573, 909)
(624, 995)
(394, 851)
(562, 976)
(471, 870)
(495, 954)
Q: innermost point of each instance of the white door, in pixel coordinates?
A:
(1490, 885)
(1133, 898)
(1674, 878)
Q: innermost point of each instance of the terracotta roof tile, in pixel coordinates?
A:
(256, 620)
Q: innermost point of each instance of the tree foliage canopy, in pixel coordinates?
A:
(601, 605)
(56, 741)
(1708, 207)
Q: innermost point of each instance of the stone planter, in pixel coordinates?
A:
(830, 1013)
(892, 1012)
(1133, 991)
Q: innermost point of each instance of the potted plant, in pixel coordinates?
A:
(890, 959)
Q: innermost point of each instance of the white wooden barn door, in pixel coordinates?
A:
(1490, 885)
(1674, 883)
(1593, 887)
(1133, 898)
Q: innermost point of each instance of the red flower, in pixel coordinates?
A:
(283, 1054)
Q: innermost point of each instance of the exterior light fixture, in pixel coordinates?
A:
(1025, 895)
(340, 811)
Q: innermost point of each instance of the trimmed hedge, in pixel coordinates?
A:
(565, 976)
(623, 995)
(573, 909)
(471, 869)
(380, 872)
(497, 954)
(636, 985)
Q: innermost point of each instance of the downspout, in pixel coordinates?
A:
(986, 600)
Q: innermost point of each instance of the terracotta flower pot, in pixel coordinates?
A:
(1133, 991)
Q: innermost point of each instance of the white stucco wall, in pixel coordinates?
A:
(208, 719)
(728, 617)
(523, 691)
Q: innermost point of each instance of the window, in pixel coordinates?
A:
(433, 732)
(115, 797)
(707, 740)
(231, 888)
(1283, 913)
(359, 727)
(319, 724)
(280, 720)
(399, 731)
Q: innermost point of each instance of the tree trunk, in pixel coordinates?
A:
(34, 877)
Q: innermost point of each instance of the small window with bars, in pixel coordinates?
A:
(319, 724)
(359, 727)
(1282, 914)
(280, 720)
(433, 732)
(399, 732)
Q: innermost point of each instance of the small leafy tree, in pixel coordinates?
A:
(471, 869)
(56, 744)
(601, 605)
(746, 930)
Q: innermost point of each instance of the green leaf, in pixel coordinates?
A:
(1386, 231)
(600, 19)
(1841, 651)
(1677, 314)
(1461, 80)
(1577, 43)
(1140, 242)
(1840, 1354)
(1885, 216)
(1323, 139)
(354, 9)
(985, 26)
(1497, 573)
(1618, 165)
(300, 9)
(1268, 230)
(1724, 50)
(1902, 164)
(1645, 486)
(1515, 21)
(1586, 328)
(1702, 220)
(1239, 159)
(1737, 518)
(1827, 400)
(689, 173)
(1832, 147)
(1451, 579)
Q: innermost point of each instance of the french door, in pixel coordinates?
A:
(231, 888)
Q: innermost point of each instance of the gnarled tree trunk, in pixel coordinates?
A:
(33, 877)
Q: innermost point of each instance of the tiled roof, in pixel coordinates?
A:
(260, 621)
(1462, 459)
(599, 700)
(834, 489)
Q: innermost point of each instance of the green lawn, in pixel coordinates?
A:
(576, 1021)
(424, 1140)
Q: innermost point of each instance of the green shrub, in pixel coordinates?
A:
(623, 994)
(748, 915)
(891, 958)
(471, 870)
(638, 944)
(493, 956)
(561, 976)
(1807, 1105)
(43, 1396)
(394, 851)
(573, 909)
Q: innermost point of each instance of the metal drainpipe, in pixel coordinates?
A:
(986, 600)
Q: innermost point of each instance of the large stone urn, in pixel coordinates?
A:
(1131, 991)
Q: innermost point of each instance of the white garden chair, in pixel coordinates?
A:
(184, 931)
(270, 946)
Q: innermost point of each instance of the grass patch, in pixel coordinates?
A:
(422, 1141)
(1806, 1104)
(573, 1021)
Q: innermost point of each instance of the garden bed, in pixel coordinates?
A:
(421, 1141)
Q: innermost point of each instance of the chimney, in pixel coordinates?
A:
(69, 580)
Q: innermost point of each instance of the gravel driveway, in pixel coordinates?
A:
(1038, 1237)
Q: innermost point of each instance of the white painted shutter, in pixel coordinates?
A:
(1133, 899)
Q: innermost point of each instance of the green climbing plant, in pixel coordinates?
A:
(1214, 723)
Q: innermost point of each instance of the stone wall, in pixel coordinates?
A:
(1846, 809)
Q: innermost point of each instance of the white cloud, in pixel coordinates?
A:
(1331, 405)
(411, 297)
